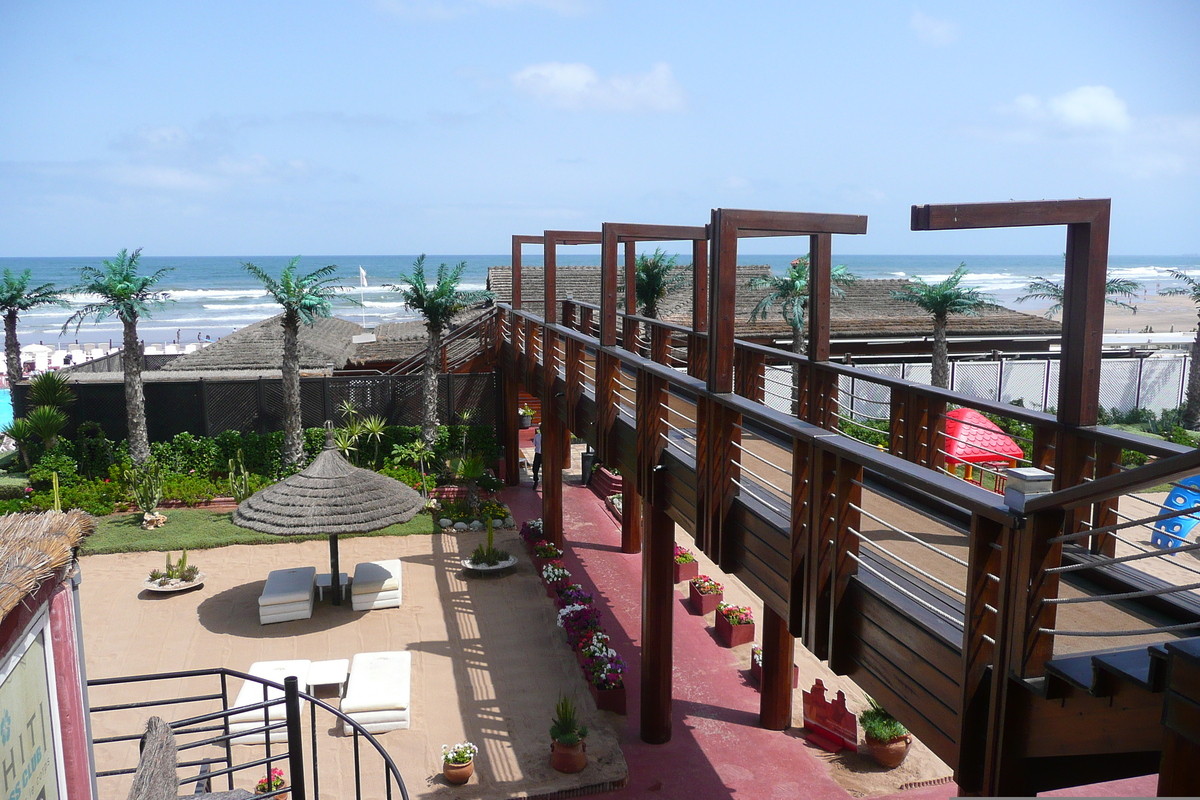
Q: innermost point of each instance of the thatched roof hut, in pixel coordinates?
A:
(329, 497)
(35, 548)
(259, 348)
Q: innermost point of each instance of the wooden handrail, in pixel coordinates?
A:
(1103, 488)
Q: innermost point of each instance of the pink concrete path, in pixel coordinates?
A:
(717, 749)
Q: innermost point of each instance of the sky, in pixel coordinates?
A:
(446, 126)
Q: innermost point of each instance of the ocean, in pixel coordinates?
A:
(213, 295)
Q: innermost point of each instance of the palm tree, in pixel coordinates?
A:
(123, 293)
(1190, 289)
(15, 297)
(437, 304)
(1114, 290)
(940, 300)
(655, 276)
(304, 298)
(790, 290)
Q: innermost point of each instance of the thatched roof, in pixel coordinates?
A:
(866, 311)
(34, 548)
(396, 341)
(260, 347)
(329, 496)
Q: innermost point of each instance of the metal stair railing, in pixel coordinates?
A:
(217, 722)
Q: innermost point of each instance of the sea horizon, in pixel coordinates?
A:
(212, 296)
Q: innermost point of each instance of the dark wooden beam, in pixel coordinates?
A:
(961, 216)
(658, 617)
(778, 655)
(517, 241)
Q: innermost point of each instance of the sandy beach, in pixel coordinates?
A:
(1162, 314)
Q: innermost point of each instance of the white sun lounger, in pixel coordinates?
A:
(377, 694)
(287, 595)
(252, 692)
(376, 585)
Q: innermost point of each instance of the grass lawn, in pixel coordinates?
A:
(194, 529)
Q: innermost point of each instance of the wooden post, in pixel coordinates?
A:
(697, 346)
(508, 426)
(778, 654)
(978, 653)
(658, 610)
(801, 524)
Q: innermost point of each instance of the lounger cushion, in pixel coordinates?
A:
(378, 682)
(366, 602)
(371, 577)
(252, 691)
(285, 612)
(288, 586)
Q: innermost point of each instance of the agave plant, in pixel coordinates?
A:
(50, 389)
(372, 429)
(18, 430)
(46, 423)
(468, 470)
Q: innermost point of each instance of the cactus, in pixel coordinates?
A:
(239, 478)
(146, 485)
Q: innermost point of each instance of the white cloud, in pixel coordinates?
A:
(578, 86)
(934, 31)
(1087, 109)
(454, 9)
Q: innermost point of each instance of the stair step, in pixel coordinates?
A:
(1100, 672)
(1078, 671)
(1132, 665)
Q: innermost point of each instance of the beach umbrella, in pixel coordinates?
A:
(330, 497)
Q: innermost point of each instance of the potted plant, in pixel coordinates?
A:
(579, 622)
(487, 557)
(735, 624)
(606, 674)
(177, 576)
(525, 416)
(704, 594)
(756, 667)
(531, 532)
(458, 762)
(686, 566)
(568, 750)
(887, 740)
(545, 551)
(555, 575)
(272, 783)
(574, 595)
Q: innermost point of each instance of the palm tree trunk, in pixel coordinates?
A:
(293, 434)
(12, 348)
(429, 420)
(1191, 411)
(941, 355)
(135, 398)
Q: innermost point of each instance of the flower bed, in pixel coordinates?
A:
(579, 618)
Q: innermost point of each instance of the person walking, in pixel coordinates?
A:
(537, 454)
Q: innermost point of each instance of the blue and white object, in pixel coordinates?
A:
(1171, 533)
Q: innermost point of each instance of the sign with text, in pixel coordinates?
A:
(28, 770)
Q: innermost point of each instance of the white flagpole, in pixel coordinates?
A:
(362, 284)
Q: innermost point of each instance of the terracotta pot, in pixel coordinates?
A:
(568, 758)
(703, 603)
(609, 699)
(458, 773)
(283, 796)
(552, 590)
(734, 635)
(685, 572)
(890, 754)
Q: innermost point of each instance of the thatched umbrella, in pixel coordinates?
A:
(330, 496)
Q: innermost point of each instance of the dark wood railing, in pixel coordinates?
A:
(794, 536)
